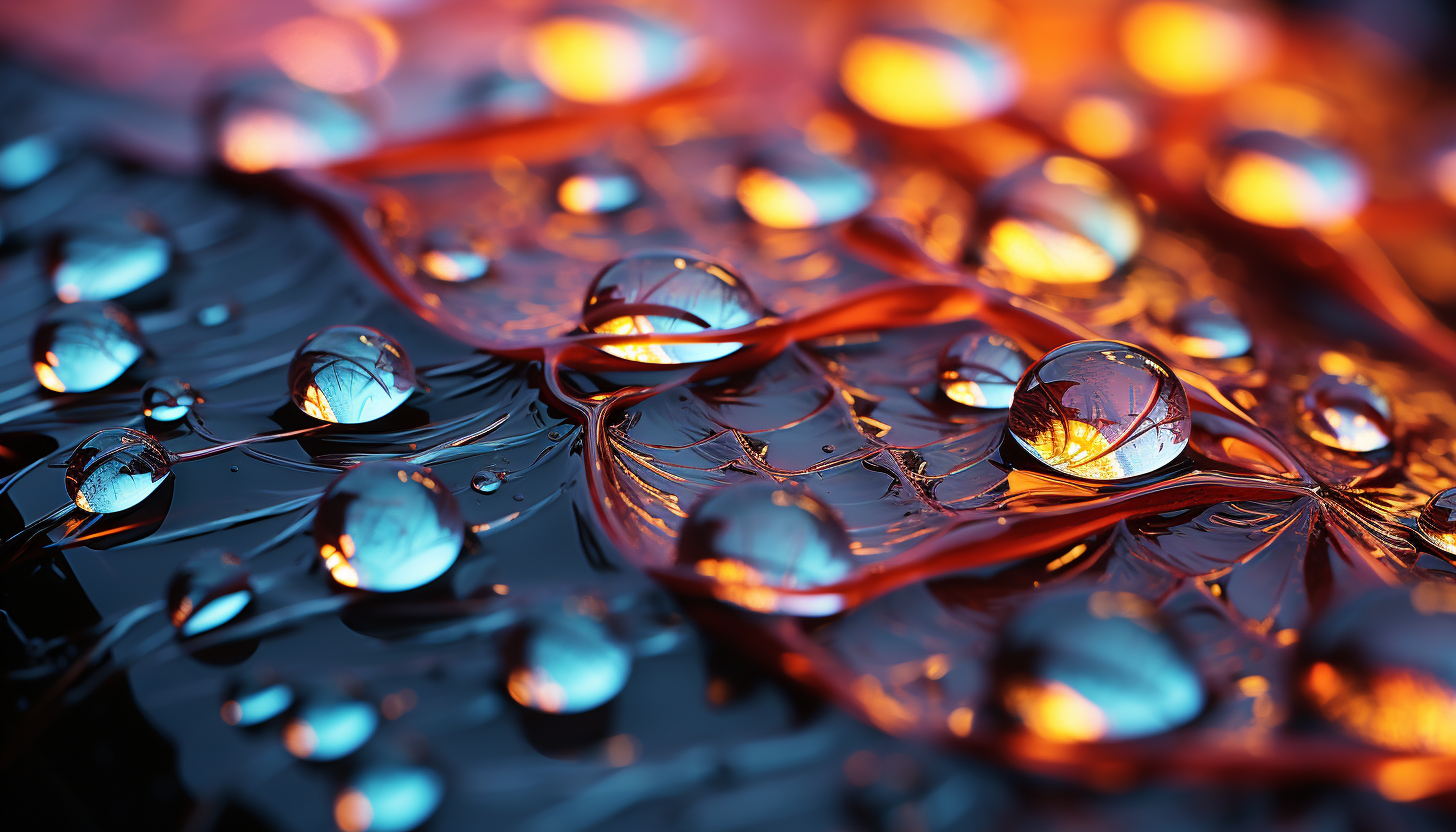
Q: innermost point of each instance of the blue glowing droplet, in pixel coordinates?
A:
(791, 187)
(388, 527)
(209, 590)
(487, 482)
(1207, 328)
(168, 399)
(668, 292)
(454, 265)
(27, 161)
(980, 369)
(215, 314)
(330, 730)
(389, 799)
(82, 347)
(107, 261)
(252, 705)
(565, 662)
(350, 374)
(116, 468)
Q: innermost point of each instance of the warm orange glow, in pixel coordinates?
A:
(960, 720)
(829, 134)
(536, 689)
(334, 54)
(641, 353)
(1266, 190)
(316, 404)
(47, 377)
(1192, 48)
(584, 59)
(258, 140)
(774, 201)
(909, 83)
(1101, 127)
(1445, 175)
(352, 811)
(1056, 712)
(579, 194)
(299, 738)
(1406, 710)
(1286, 109)
(1079, 446)
(1038, 251)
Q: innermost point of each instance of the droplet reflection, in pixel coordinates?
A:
(980, 369)
(350, 374)
(107, 261)
(329, 730)
(1187, 47)
(1437, 521)
(114, 469)
(927, 78)
(27, 160)
(566, 662)
(1207, 328)
(589, 192)
(269, 124)
(603, 54)
(82, 347)
(795, 188)
(168, 399)
(254, 704)
(209, 590)
(1343, 409)
(388, 799)
(1282, 181)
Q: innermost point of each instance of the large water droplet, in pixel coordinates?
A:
(605, 54)
(275, 124)
(565, 662)
(1059, 220)
(116, 468)
(1437, 521)
(926, 78)
(107, 261)
(168, 399)
(329, 730)
(27, 160)
(209, 590)
(598, 189)
(1382, 669)
(1343, 409)
(82, 347)
(791, 187)
(668, 292)
(1282, 181)
(252, 703)
(756, 537)
(1086, 667)
(1207, 328)
(388, 527)
(350, 374)
(980, 369)
(388, 799)
(1101, 410)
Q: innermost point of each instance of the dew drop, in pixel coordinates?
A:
(253, 703)
(518, 497)
(388, 799)
(27, 160)
(981, 369)
(107, 261)
(1207, 328)
(1085, 667)
(1059, 220)
(668, 292)
(350, 374)
(1437, 521)
(329, 730)
(1282, 181)
(215, 314)
(388, 527)
(274, 124)
(1101, 410)
(565, 662)
(598, 189)
(1345, 410)
(208, 591)
(927, 78)
(754, 537)
(487, 482)
(454, 258)
(792, 187)
(828, 449)
(1188, 47)
(114, 469)
(604, 54)
(81, 347)
(168, 399)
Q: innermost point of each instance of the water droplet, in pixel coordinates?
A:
(1083, 667)
(1059, 220)
(350, 374)
(1101, 410)
(388, 527)
(254, 703)
(1193, 48)
(926, 78)
(1104, 126)
(208, 591)
(828, 449)
(1380, 668)
(116, 468)
(980, 369)
(454, 264)
(487, 482)
(668, 292)
(107, 261)
(792, 187)
(755, 537)
(343, 54)
(518, 497)
(553, 435)
(1345, 410)
(598, 189)
(329, 730)
(604, 54)
(1437, 521)
(82, 347)
(1207, 328)
(388, 799)
(1279, 180)
(565, 662)
(168, 399)
(27, 160)
(274, 124)
(215, 314)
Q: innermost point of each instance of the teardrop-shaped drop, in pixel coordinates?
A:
(107, 261)
(330, 729)
(168, 399)
(1343, 409)
(927, 78)
(980, 369)
(387, 527)
(208, 591)
(116, 468)
(80, 347)
(1101, 410)
(1437, 521)
(388, 799)
(350, 374)
(1208, 328)
(565, 662)
(668, 292)
(1279, 180)
(792, 187)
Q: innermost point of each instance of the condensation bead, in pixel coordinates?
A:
(565, 662)
(604, 54)
(330, 730)
(927, 78)
(272, 123)
(980, 369)
(27, 160)
(107, 261)
(1343, 409)
(1208, 328)
(1437, 521)
(388, 799)
(1283, 181)
(116, 468)
(80, 347)
(168, 399)
(253, 703)
(350, 374)
(209, 590)
(792, 187)
(598, 189)
(1101, 410)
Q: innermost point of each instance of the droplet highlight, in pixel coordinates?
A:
(82, 347)
(208, 591)
(1343, 409)
(602, 55)
(981, 369)
(1208, 328)
(1278, 180)
(566, 662)
(1437, 521)
(330, 730)
(168, 399)
(796, 188)
(926, 78)
(388, 799)
(114, 469)
(107, 261)
(349, 375)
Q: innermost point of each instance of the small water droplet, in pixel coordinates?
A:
(1101, 410)
(208, 591)
(487, 482)
(80, 347)
(1207, 328)
(254, 702)
(828, 449)
(114, 469)
(350, 374)
(454, 257)
(215, 314)
(518, 497)
(388, 799)
(668, 292)
(388, 527)
(168, 399)
(271, 123)
(107, 261)
(329, 730)
(553, 435)
(598, 188)
(1279, 180)
(980, 369)
(28, 160)
(565, 662)
(234, 469)
(1437, 521)
(604, 54)
(955, 79)
(1345, 410)
(792, 187)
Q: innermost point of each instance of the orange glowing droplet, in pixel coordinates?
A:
(1056, 712)
(334, 54)
(1101, 127)
(1186, 47)
(352, 811)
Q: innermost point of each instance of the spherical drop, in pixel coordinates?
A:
(209, 590)
(598, 189)
(388, 799)
(1207, 328)
(565, 662)
(668, 292)
(1437, 521)
(1282, 181)
(1059, 220)
(330, 730)
(756, 537)
(107, 261)
(1101, 410)
(350, 374)
(604, 54)
(1343, 409)
(81, 347)
(388, 527)
(980, 369)
(792, 187)
(1099, 666)
(487, 482)
(114, 469)
(926, 78)
(168, 399)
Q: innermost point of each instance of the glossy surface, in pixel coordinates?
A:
(209, 590)
(350, 374)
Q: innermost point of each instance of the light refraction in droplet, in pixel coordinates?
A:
(330, 730)
(168, 399)
(253, 703)
(271, 123)
(1101, 410)
(388, 799)
(208, 591)
(350, 374)
(598, 189)
(1343, 409)
(792, 187)
(107, 261)
(603, 54)
(926, 78)
(1208, 328)
(1283, 181)
(116, 468)
(388, 527)
(27, 160)
(81, 347)
(565, 662)
(980, 369)
(1437, 521)
(668, 292)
